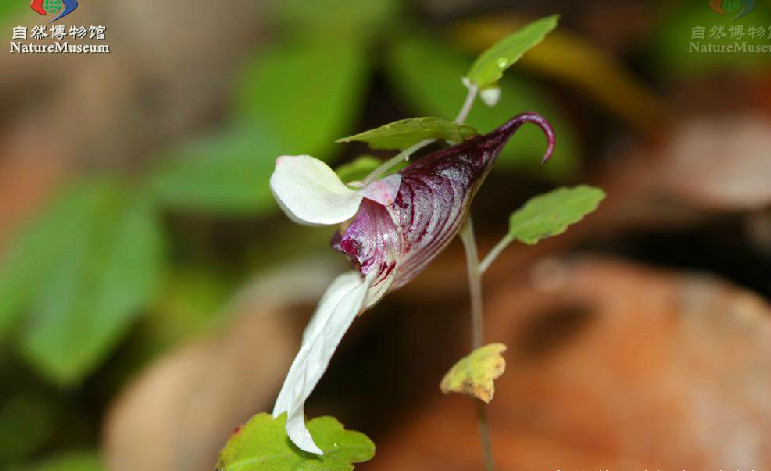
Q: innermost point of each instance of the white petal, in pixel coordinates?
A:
(299, 433)
(384, 190)
(310, 192)
(332, 296)
(334, 315)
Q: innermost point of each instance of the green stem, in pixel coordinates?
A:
(474, 283)
(466, 108)
(477, 329)
(494, 252)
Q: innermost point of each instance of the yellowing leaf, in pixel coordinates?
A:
(474, 374)
(263, 445)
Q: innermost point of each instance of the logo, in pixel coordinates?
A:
(62, 7)
(740, 7)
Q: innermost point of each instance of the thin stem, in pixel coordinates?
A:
(494, 252)
(484, 436)
(470, 97)
(474, 283)
(395, 160)
(477, 329)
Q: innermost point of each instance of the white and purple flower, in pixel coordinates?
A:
(393, 228)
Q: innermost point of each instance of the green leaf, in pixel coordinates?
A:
(304, 95)
(263, 445)
(105, 272)
(225, 173)
(475, 374)
(550, 214)
(491, 64)
(35, 249)
(408, 132)
(358, 169)
(427, 74)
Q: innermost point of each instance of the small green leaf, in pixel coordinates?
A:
(491, 64)
(263, 445)
(408, 132)
(224, 173)
(475, 374)
(105, 271)
(358, 169)
(550, 214)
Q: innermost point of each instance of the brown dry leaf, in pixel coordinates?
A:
(475, 374)
(613, 366)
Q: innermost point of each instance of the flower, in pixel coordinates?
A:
(395, 227)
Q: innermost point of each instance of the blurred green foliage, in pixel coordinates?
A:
(82, 272)
(304, 95)
(9, 10)
(82, 460)
(225, 172)
(26, 422)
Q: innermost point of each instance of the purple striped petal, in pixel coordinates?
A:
(400, 239)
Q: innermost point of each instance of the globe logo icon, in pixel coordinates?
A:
(732, 6)
(52, 7)
(739, 7)
(60, 8)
